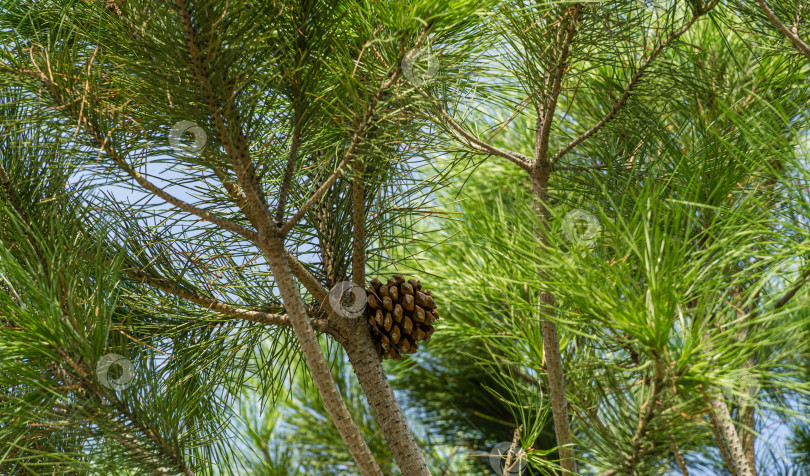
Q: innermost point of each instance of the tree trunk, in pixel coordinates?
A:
(729, 433)
(371, 375)
(321, 375)
(551, 345)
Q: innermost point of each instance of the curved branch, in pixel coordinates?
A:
(522, 161)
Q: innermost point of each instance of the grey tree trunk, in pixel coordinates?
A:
(371, 375)
(274, 251)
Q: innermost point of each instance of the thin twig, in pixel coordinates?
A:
(523, 161)
(358, 225)
(513, 451)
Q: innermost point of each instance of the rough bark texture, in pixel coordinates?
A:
(748, 437)
(276, 257)
(371, 375)
(729, 432)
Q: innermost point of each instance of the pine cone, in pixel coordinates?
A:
(401, 314)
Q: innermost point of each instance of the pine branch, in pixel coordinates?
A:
(358, 226)
(122, 436)
(321, 374)
(236, 149)
(522, 161)
(270, 240)
(791, 35)
(513, 450)
(725, 433)
(539, 173)
(288, 172)
(718, 438)
(630, 87)
(645, 419)
(210, 303)
(17, 206)
(546, 117)
(785, 299)
(353, 146)
(234, 192)
(105, 144)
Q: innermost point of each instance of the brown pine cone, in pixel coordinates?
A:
(401, 314)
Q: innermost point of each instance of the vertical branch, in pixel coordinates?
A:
(358, 225)
(271, 242)
(300, 48)
(679, 458)
(513, 449)
(288, 172)
(746, 413)
(718, 437)
(371, 376)
(228, 128)
(540, 172)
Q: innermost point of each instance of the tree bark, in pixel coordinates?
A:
(273, 248)
(551, 345)
(371, 375)
(726, 426)
(748, 437)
